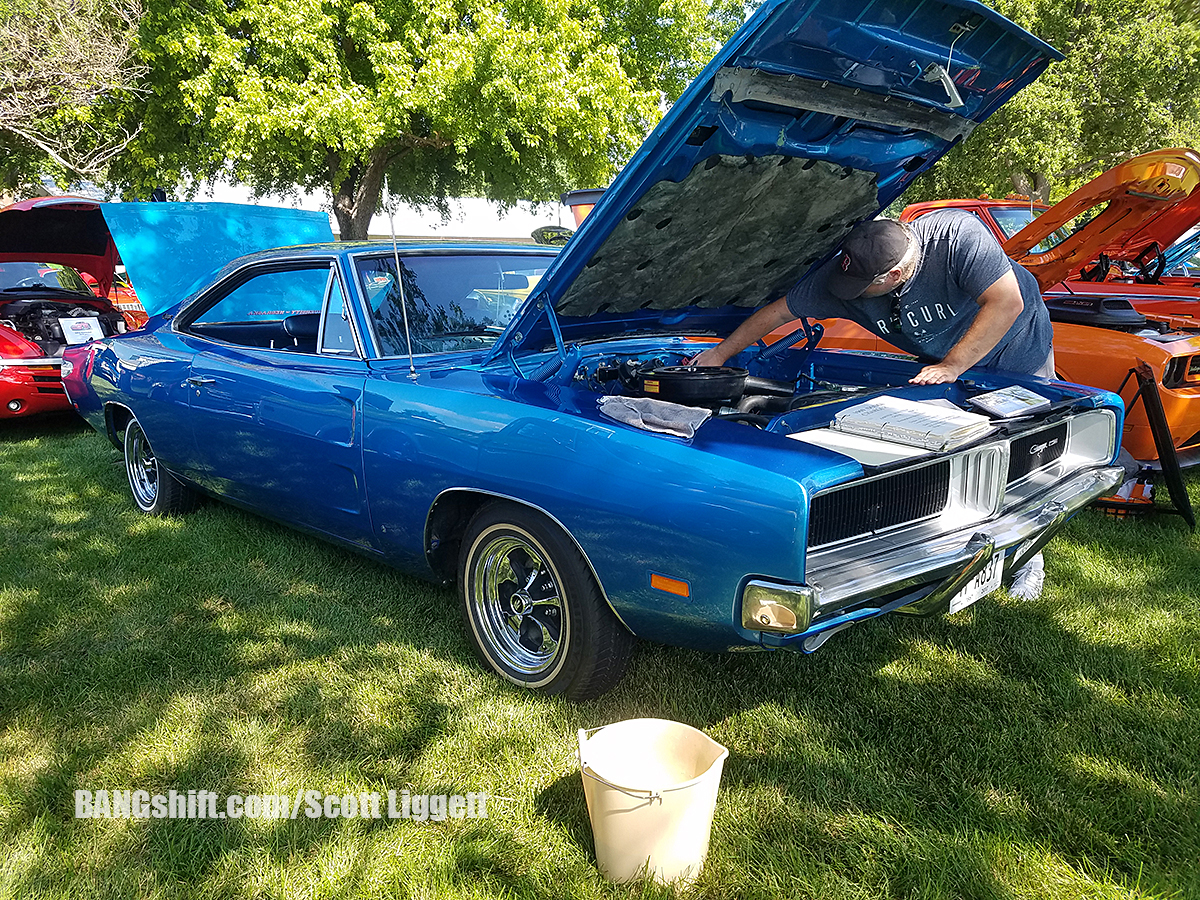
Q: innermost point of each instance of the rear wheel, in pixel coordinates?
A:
(535, 614)
(155, 491)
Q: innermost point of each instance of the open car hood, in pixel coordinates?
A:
(170, 249)
(812, 118)
(1164, 233)
(167, 248)
(1148, 200)
(69, 231)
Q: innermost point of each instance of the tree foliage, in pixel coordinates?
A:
(1130, 84)
(62, 63)
(510, 99)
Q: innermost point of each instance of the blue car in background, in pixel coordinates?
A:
(523, 422)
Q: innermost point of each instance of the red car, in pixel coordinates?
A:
(45, 303)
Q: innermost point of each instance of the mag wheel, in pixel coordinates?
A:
(155, 491)
(535, 614)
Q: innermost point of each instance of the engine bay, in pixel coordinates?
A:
(728, 392)
(42, 321)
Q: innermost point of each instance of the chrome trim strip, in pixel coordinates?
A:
(33, 361)
(842, 579)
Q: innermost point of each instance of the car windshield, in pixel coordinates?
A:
(1011, 219)
(20, 276)
(454, 301)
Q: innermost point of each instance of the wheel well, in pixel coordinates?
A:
(444, 528)
(116, 418)
(447, 522)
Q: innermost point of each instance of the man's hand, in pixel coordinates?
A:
(937, 374)
(710, 357)
(764, 320)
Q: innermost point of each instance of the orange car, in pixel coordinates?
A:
(1102, 327)
(122, 296)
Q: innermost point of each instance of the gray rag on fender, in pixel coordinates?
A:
(655, 415)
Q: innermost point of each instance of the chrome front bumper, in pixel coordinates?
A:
(841, 581)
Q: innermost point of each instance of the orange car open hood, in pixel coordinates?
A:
(1142, 200)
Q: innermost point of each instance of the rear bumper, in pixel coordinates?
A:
(922, 578)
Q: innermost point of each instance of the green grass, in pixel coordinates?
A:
(1016, 750)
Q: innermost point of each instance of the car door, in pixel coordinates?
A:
(276, 386)
(423, 421)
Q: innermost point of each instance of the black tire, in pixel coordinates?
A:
(155, 490)
(535, 614)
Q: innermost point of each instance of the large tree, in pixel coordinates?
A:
(62, 63)
(1130, 83)
(510, 99)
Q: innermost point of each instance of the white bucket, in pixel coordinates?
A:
(651, 788)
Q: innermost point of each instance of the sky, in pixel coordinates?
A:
(470, 216)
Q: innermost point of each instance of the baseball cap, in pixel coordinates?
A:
(872, 249)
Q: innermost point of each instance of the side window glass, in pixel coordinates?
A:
(275, 310)
(336, 334)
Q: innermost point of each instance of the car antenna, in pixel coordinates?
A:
(412, 369)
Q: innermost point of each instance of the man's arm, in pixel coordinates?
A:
(764, 321)
(999, 307)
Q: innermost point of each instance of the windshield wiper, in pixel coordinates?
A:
(42, 287)
(482, 331)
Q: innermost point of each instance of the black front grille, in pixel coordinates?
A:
(1032, 451)
(876, 505)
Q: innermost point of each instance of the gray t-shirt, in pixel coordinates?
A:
(930, 312)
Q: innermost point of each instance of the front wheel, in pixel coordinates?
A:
(155, 490)
(535, 614)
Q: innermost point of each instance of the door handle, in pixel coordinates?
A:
(200, 381)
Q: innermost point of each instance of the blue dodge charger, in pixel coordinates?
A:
(523, 422)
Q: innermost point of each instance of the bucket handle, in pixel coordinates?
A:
(636, 794)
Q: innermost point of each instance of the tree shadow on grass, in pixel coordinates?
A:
(896, 759)
(131, 661)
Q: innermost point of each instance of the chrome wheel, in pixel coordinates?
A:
(141, 467)
(155, 490)
(517, 602)
(535, 613)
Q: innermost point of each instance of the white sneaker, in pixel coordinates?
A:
(1027, 583)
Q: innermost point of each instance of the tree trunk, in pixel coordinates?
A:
(356, 194)
(1035, 185)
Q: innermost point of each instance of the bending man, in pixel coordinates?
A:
(941, 289)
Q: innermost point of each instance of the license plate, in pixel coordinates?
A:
(984, 582)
